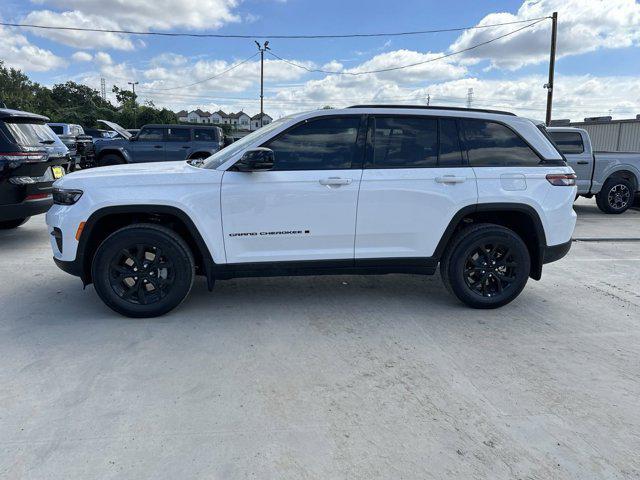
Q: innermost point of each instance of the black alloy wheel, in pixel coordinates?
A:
(143, 270)
(486, 265)
(141, 274)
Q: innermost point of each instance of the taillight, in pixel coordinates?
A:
(37, 196)
(27, 157)
(562, 179)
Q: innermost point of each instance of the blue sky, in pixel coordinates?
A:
(597, 70)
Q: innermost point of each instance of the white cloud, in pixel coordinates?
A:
(82, 57)
(583, 26)
(103, 58)
(140, 15)
(16, 51)
(79, 39)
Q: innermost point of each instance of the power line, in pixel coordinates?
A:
(457, 52)
(301, 37)
(232, 67)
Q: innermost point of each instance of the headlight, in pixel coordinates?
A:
(62, 196)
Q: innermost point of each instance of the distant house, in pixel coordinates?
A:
(239, 120)
(255, 121)
(183, 116)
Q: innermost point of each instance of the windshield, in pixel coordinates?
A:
(31, 134)
(220, 157)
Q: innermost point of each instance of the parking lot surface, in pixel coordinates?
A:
(326, 377)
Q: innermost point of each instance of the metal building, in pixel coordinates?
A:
(609, 135)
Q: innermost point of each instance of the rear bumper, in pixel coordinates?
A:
(24, 209)
(555, 252)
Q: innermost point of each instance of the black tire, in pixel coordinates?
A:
(9, 224)
(616, 196)
(111, 159)
(136, 282)
(488, 280)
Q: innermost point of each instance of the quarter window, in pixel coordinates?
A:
(568, 142)
(491, 144)
(204, 135)
(323, 144)
(409, 142)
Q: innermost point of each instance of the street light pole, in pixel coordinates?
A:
(552, 65)
(135, 108)
(262, 48)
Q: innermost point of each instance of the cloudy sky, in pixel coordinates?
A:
(597, 72)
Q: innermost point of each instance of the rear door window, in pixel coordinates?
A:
(404, 142)
(491, 144)
(568, 142)
(57, 129)
(178, 135)
(450, 154)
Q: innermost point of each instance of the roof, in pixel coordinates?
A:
(9, 113)
(237, 115)
(434, 107)
(182, 113)
(176, 125)
(221, 113)
(258, 115)
(201, 113)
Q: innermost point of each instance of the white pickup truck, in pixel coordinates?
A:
(613, 177)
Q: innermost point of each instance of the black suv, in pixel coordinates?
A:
(31, 158)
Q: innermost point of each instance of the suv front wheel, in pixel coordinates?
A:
(143, 270)
(486, 266)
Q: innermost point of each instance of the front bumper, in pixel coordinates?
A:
(73, 267)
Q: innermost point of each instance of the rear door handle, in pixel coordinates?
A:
(157, 146)
(451, 179)
(334, 181)
(583, 162)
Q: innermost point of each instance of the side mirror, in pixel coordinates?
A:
(259, 159)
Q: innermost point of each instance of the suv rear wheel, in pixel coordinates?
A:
(143, 270)
(616, 195)
(486, 266)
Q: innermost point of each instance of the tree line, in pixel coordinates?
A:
(73, 102)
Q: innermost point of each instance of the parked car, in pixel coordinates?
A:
(158, 143)
(32, 158)
(79, 144)
(367, 189)
(612, 177)
(96, 133)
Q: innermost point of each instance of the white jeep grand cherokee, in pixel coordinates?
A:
(363, 190)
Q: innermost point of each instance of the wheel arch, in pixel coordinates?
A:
(521, 218)
(625, 172)
(114, 151)
(107, 220)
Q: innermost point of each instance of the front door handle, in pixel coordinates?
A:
(583, 162)
(331, 181)
(157, 146)
(451, 179)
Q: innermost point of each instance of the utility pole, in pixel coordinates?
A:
(262, 49)
(103, 88)
(135, 108)
(428, 99)
(469, 97)
(552, 65)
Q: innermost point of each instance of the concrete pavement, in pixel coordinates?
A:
(325, 377)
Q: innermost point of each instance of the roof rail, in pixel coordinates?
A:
(435, 107)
